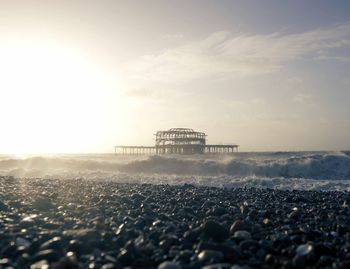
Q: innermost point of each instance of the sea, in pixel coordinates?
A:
(318, 171)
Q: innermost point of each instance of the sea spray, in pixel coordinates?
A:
(283, 170)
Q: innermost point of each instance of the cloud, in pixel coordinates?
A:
(295, 81)
(258, 101)
(174, 36)
(222, 54)
(324, 55)
(346, 81)
(303, 98)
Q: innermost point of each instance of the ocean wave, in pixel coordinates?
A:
(325, 165)
(314, 166)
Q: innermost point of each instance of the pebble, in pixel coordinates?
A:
(239, 225)
(3, 207)
(345, 265)
(218, 266)
(43, 264)
(22, 242)
(242, 235)
(304, 250)
(54, 243)
(248, 245)
(42, 204)
(215, 230)
(63, 224)
(169, 265)
(48, 254)
(210, 255)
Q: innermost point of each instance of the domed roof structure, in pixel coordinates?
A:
(178, 141)
(181, 140)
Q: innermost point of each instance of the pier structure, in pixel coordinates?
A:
(178, 141)
(135, 150)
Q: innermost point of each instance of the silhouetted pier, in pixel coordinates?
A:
(207, 149)
(178, 141)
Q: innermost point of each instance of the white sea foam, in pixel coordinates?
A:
(300, 170)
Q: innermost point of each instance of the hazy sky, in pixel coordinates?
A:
(82, 76)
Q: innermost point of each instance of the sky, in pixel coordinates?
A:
(83, 76)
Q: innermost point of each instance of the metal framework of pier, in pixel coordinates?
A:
(178, 141)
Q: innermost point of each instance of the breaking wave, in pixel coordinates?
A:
(300, 170)
(314, 166)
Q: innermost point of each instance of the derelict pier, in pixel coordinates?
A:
(178, 141)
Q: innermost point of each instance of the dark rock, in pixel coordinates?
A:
(169, 265)
(303, 255)
(218, 266)
(184, 256)
(126, 257)
(137, 197)
(239, 225)
(210, 256)
(54, 243)
(324, 261)
(248, 246)
(40, 265)
(345, 265)
(3, 207)
(9, 250)
(168, 242)
(104, 224)
(215, 230)
(242, 235)
(110, 266)
(305, 250)
(87, 235)
(269, 259)
(230, 252)
(235, 266)
(67, 263)
(77, 246)
(48, 254)
(192, 235)
(43, 204)
(218, 211)
(324, 249)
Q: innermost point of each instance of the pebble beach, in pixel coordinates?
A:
(79, 223)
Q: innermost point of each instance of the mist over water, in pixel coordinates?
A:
(283, 170)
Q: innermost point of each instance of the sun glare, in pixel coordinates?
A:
(52, 99)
